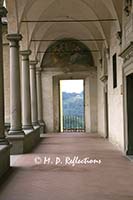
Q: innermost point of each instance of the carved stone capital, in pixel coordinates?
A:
(25, 52)
(104, 78)
(3, 12)
(33, 62)
(38, 70)
(127, 54)
(119, 36)
(14, 37)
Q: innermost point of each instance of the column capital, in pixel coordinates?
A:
(15, 37)
(25, 55)
(33, 62)
(38, 70)
(25, 52)
(3, 12)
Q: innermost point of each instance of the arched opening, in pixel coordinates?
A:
(68, 59)
(66, 52)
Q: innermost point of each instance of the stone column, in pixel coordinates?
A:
(39, 96)
(15, 92)
(33, 87)
(26, 96)
(3, 13)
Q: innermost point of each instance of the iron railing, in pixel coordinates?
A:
(73, 123)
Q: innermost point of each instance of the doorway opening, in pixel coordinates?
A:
(130, 113)
(72, 109)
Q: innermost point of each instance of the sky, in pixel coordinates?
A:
(72, 86)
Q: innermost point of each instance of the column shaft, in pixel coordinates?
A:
(3, 12)
(39, 95)
(15, 92)
(26, 96)
(33, 87)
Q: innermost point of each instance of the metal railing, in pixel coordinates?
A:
(73, 123)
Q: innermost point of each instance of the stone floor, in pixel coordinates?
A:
(39, 175)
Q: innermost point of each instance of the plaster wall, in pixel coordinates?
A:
(92, 100)
(87, 107)
(100, 116)
(50, 88)
(47, 93)
(115, 97)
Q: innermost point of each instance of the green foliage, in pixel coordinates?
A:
(73, 122)
(73, 104)
(73, 111)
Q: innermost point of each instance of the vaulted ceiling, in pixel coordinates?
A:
(41, 20)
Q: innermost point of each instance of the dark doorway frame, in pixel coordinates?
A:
(106, 112)
(129, 101)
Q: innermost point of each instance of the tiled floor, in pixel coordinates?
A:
(38, 176)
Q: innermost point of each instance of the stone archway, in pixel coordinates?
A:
(69, 59)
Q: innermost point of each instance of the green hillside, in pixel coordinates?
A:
(73, 104)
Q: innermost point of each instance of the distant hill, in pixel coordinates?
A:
(73, 104)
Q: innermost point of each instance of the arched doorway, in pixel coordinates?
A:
(69, 59)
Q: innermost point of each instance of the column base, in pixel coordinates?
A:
(7, 126)
(27, 127)
(42, 125)
(16, 138)
(35, 123)
(16, 132)
(4, 141)
(24, 143)
(17, 142)
(4, 159)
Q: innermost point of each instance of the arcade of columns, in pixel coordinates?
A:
(27, 124)
(31, 113)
